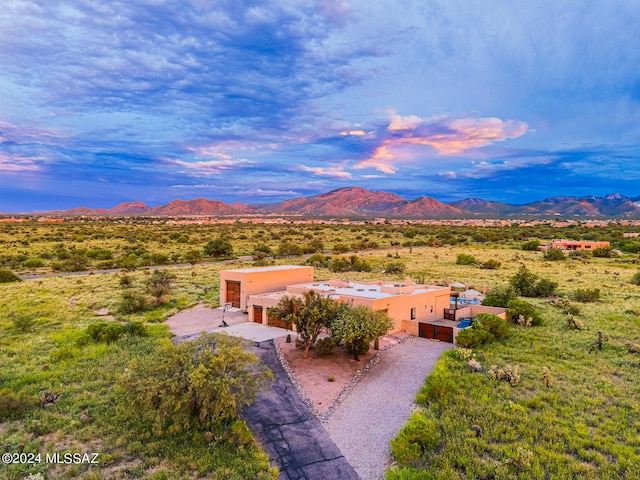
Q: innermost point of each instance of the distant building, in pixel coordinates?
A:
(573, 245)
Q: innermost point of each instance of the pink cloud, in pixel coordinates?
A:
(15, 163)
(448, 136)
(335, 172)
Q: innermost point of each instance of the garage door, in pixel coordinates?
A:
(275, 322)
(438, 332)
(233, 293)
(257, 314)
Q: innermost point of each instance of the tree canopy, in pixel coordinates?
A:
(201, 383)
(357, 326)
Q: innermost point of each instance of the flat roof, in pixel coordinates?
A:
(363, 290)
(267, 269)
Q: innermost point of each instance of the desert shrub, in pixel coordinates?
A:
(500, 296)
(531, 245)
(132, 302)
(498, 327)
(545, 288)
(351, 264)
(471, 338)
(566, 305)
(507, 373)
(419, 435)
(192, 256)
(438, 386)
(99, 254)
(587, 295)
(515, 308)
(110, 332)
(7, 276)
(22, 322)
(395, 268)
(603, 252)
(219, 247)
(573, 323)
(528, 284)
(34, 262)
(491, 264)
(554, 254)
(318, 260)
(105, 331)
(465, 259)
(325, 345)
(13, 405)
(635, 279)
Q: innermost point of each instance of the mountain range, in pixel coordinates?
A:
(360, 202)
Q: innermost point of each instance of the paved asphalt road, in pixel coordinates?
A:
(290, 435)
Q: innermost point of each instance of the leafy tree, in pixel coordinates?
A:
(202, 383)
(357, 326)
(312, 317)
(159, 284)
(287, 309)
(289, 249)
(219, 247)
(262, 250)
(528, 284)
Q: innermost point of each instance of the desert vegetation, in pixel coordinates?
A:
(65, 342)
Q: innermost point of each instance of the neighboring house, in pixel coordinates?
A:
(414, 308)
(237, 285)
(571, 245)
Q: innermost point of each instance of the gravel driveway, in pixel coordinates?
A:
(380, 405)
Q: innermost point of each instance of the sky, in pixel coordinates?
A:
(261, 101)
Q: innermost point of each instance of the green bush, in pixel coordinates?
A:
(586, 295)
(528, 284)
(395, 268)
(7, 276)
(13, 405)
(465, 259)
(23, 322)
(491, 264)
(498, 327)
(500, 296)
(132, 302)
(325, 345)
(554, 254)
(635, 279)
(318, 260)
(219, 247)
(531, 246)
(110, 332)
(603, 252)
(35, 262)
(438, 386)
(419, 435)
(515, 308)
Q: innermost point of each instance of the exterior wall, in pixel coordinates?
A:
(429, 306)
(256, 281)
(570, 245)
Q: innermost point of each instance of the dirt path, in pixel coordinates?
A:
(380, 405)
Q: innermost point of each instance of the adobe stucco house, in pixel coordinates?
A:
(237, 285)
(571, 245)
(414, 308)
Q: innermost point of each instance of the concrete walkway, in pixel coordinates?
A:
(292, 437)
(380, 405)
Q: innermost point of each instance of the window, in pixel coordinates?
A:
(413, 313)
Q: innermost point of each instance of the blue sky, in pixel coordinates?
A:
(260, 101)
